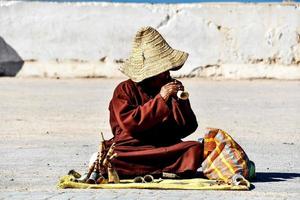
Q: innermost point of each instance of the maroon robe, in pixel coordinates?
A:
(148, 131)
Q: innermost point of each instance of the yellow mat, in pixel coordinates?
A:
(175, 184)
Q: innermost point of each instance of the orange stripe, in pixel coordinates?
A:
(227, 164)
(209, 140)
(214, 168)
(239, 151)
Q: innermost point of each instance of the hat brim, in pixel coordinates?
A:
(173, 62)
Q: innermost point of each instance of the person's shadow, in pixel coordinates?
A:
(274, 176)
(10, 61)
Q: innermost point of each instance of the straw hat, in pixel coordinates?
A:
(151, 55)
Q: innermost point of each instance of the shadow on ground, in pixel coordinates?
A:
(10, 61)
(274, 176)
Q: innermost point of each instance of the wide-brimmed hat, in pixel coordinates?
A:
(151, 55)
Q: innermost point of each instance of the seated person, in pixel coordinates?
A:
(147, 119)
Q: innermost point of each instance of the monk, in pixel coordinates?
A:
(147, 119)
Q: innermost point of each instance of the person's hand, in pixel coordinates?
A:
(170, 89)
(180, 86)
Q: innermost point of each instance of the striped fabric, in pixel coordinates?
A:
(223, 157)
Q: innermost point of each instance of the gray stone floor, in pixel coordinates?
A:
(49, 126)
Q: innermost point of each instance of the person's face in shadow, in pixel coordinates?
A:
(156, 82)
(161, 79)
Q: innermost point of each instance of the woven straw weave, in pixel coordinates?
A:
(151, 55)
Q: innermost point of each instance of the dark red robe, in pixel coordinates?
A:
(148, 131)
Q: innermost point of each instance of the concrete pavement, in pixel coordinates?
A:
(49, 126)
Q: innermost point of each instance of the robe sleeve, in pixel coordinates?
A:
(138, 118)
(184, 117)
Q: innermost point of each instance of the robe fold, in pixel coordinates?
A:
(148, 132)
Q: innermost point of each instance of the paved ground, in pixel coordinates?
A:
(50, 126)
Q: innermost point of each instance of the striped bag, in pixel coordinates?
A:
(223, 157)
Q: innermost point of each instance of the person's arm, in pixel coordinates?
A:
(184, 117)
(138, 118)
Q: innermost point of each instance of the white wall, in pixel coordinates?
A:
(87, 39)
